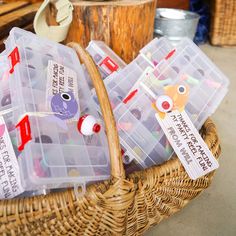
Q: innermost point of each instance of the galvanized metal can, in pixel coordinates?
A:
(175, 24)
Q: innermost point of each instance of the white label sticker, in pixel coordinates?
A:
(187, 143)
(10, 182)
(60, 79)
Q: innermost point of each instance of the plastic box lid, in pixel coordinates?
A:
(57, 155)
(140, 134)
(108, 61)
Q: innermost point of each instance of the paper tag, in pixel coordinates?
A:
(187, 143)
(10, 182)
(60, 79)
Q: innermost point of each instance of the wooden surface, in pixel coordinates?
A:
(223, 22)
(178, 4)
(16, 14)
(19, 18)
(29, 1)
(6, 8)
(126, 26)
(2, 46)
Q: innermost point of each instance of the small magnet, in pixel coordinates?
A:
(187, 57)
(137, 113)
(212, 83)
(39, 169)
(189, 79)
(176, 69)
(155, 63)
(43, 139)
(6, 100)
(120, 97)
(201, 72)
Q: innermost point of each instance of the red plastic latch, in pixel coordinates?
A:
(14, 58)
(110, 64)
(25, 132)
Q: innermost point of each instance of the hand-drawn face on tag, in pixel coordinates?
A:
(175, 98)
(179, 94)
(64, 105)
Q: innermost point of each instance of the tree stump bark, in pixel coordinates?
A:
(125, 25)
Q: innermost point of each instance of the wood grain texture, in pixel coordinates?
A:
(126, 26)
(2, 46)
(223, 22)
(177, 4)
(9, 7)
(18, 18)
(29, 1)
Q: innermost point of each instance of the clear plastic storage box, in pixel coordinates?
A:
(107, 60)
(134, 88)
(51, 151)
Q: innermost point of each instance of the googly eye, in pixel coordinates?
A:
(66, 97)
(164, 103)
(182, 89)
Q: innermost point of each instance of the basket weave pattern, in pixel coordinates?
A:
(123, 205)
(223, 22)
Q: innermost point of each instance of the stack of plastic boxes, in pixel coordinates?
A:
(132, 92)
(56, 154)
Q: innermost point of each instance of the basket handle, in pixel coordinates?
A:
(117, 168)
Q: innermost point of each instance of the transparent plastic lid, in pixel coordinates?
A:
(59, 136)
(107, 60)
(134, 88)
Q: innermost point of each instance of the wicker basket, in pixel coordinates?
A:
(119, 206)
(223, 22)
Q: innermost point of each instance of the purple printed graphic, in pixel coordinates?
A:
(64, 105)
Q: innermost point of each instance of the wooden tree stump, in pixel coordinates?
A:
(125, 25)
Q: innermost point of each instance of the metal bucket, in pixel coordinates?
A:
(175, 24)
